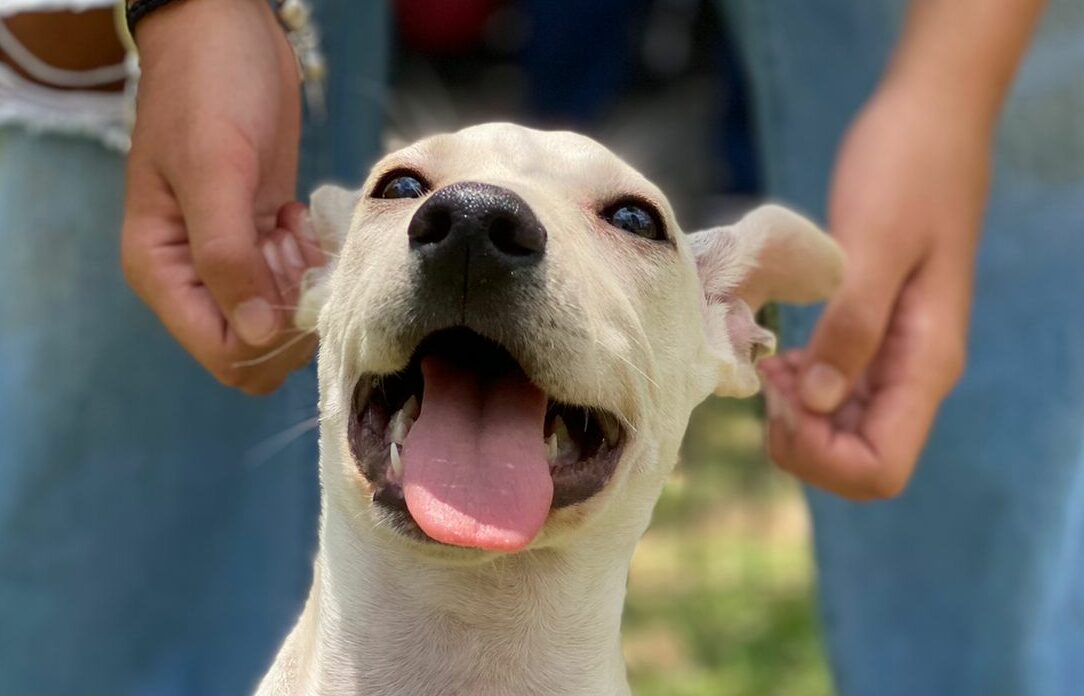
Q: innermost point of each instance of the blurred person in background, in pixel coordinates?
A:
(972, 580)
(148, 543)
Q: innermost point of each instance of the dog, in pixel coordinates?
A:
(513, 333)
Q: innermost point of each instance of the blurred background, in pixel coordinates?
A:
(157, 529)
(720, 594)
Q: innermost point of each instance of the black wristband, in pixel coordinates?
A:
(138, 9)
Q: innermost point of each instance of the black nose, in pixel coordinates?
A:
(483, 230)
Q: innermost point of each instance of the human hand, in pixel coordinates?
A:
(213, 162)
(851, 412)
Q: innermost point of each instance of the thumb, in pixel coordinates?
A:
(221, 220)
(846, 339)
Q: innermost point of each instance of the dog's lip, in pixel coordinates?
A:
(378, 399)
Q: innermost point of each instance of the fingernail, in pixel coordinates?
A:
(272, 257)
(823, 388)
(292, 252)
(307, 228)
(779, 409)
(771, 401)
(254, 321)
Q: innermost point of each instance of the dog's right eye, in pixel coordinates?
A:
(401, 185)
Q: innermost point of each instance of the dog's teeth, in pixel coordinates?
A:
(566, 447)
(400, 425)
(396, 463)
(559, 430)
(551, 448)
(411, 408)
(610, 429)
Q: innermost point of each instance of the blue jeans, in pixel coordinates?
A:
(972, 583)
(150, 543)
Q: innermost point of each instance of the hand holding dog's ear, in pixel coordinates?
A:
(770, 254)
(851, 412)
(332, 209)
(207, 241)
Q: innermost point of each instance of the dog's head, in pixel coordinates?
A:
(514, 331)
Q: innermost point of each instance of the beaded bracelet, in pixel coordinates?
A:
(296, 18)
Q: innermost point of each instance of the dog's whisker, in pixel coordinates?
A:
(296, 330)
(631, 364)
(270, 355)
(267, 449)
(318, 247)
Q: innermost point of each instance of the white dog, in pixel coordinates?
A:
(512, 337)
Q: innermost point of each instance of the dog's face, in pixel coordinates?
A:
(514, 333)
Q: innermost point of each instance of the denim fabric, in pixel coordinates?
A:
(565, 39)
(149, 541)
(972, 583)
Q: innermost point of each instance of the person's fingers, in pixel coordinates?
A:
(288, 258)
(293, 259)
(220, 216)
(874, 461)
(849, 332)
(868, 447)
(163, 276)
(295, 217)
(270, 246)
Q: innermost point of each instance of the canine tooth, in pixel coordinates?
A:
(566, 447)
(551, 448)
(411, 408)
(610, 429)
(396, 463)
(558, 429)
(400, 425)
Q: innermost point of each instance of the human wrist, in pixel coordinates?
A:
(960, 56)
(136, 10)
(959, 117)
(165, 18)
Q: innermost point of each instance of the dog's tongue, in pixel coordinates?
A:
(474, 464)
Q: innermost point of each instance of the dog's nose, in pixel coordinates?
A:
(484, 229)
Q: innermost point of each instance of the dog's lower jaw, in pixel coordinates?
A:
(380, 622)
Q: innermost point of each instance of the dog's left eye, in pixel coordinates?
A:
(402, 186)
(636, 219)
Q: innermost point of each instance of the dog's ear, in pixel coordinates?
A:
(332, 209)
(770, 254)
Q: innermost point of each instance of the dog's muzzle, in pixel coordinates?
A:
(465, 445)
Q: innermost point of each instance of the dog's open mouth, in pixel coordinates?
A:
(464, 449)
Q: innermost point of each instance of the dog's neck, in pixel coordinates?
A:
(537, 622)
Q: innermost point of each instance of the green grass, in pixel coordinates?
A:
(720, 600)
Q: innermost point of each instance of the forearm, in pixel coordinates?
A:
(963, 53)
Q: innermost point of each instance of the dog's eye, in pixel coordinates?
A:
(635, 218)
(401, 185)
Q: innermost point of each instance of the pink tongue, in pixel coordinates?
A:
(474, 464)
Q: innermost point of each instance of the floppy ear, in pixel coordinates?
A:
(332, 209)
(770, 254)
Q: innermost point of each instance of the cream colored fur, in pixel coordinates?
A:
(646, 330)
